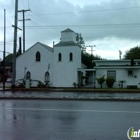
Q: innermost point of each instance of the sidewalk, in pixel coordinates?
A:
(69, 94)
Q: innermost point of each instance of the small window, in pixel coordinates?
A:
(112, 74)
(71, 57)
(130, 73)
(38, 57)
(59, 57)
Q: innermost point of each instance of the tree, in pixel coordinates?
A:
(87, 59)
(8, 60)
(81, 42)
(79, 39)
(101, 80)
(133, 53)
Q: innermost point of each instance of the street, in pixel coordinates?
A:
(67, 120)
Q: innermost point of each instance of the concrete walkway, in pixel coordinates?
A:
(67, 95)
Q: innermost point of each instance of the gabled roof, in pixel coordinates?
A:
(68, 30)
(69, 43)
(45, 46)
(38, 43)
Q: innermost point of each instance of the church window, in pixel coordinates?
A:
(71, 57)
(47, 77)
(59, 57)
(28, 75)
(38, 57)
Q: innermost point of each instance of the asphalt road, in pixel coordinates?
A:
(67, 120)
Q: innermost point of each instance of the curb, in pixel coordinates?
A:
(71, 90)
(69, 98)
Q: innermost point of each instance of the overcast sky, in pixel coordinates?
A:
(111, 25)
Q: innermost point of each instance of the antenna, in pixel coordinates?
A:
(120, 53)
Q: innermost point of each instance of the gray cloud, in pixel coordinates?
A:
(101, 22)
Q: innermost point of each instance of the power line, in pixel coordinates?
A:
(98, 10)
(39, 32)
(125, 25)
(45, 22)
(91, 25)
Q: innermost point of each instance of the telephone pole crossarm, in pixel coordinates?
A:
(23, 12)
(16, 27)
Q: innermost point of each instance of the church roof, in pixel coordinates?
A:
(69, 43)
(38, 43)
(45, 46)
(68, 30)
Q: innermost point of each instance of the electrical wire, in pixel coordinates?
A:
(45, 22)
(41, 33)
(85, 26)
(98, 10)
(125, 25)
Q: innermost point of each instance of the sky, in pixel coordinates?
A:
(110, 25)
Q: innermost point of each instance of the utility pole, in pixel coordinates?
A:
(23, 12)
(20, 46)
(15, 44)
(92, 49)
(4, 49)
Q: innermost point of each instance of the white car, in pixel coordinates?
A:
(9, 80)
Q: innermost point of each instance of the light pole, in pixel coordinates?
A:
(4, 49)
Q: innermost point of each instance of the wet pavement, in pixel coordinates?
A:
(70, 95)
(67, 120)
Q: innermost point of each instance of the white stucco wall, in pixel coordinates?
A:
(68, 36)
(112, 62)
(65, 72)
(121, 74)
(37, 69)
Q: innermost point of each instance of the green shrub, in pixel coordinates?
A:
(110, 81)
(101, 80)
(74, 84)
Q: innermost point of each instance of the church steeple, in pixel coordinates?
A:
(68, 35)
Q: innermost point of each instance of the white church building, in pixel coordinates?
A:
(58, 65)
(61, 65)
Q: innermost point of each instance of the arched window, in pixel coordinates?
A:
(38, 57)
(59, 57)
(71, 57)
(47, 77)
(28, 75)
